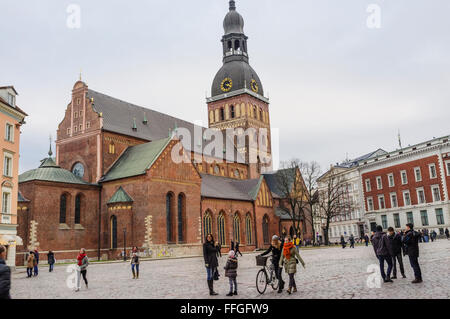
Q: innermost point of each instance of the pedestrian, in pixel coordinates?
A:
(276, 248)
(426, 236)
(447, 234)
(232, 245)
(236, 249)
(51, 260)
(30, 264)
(343, 243)
(36, 262)
(82, 264)
(395, 250)
(366, 239)
(135, 264)
(372, 233)
(231, 272)
(433, 235)
(411, 242)
(210, 250)
(352, 241)
(5, 275)
(297, 242)
(380, 244)
(290, 258)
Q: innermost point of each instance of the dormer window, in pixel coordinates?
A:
(11, 99)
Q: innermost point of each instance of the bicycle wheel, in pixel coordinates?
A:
(274, 280)
(261, 281)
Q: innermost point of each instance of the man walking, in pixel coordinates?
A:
(352, 241)
(380, 244)
(5, 275)
(395, 250)
(36, 262)
(447, 233)
(411, 242)
(366, 239)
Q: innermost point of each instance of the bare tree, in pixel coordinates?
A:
(333, 199)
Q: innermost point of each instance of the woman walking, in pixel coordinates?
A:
(290, 257)
(276, 249)
(210, 251)
(82, 264)
(231, 272)
(51, 260)
(135, 264)
(30, 264)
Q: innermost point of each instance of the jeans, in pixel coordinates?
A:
(210, 273)
(367, 243)
(135, 266)
(29, 272)
(36, 270)
(50, 267)
(233, 282)
(398, 258)
(292, 281)
(388, 260)
(79, 274)
(413, 260)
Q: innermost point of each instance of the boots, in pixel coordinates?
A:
(134, 274)
(137, 274)
(289, 290)
(211, 288)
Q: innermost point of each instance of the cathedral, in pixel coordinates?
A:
(112, 181)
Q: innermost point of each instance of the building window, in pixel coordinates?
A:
(88, 124)
(410, 218)
(237, 228)
(391, 180)
(379, 183)
(81, 127)
(78, 209)
(384, 221)
(62, 209)
(394, 201)
(232, 112)
(68, 131)
(420, 196)
(436, 193)
(81, 113)
(381, 202)
(221, 229)
(406, 198)
(265, 228)
(113, 223)
(424, 217)
(397, 220)
(248, 229)
(75, 129)
(6, 202)
(207, 224)
(404, 177)
(433, 173)
(222, 114)
(447, 164)
(9, 132)
(368, 186)
(112, 148)
(370, 204)
(169, 218)
(7, 165)
(418, 174)
(11, 100)
(440, 216)
(75, 115)
(181, 217)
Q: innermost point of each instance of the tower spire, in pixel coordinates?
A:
(232, 5)
(50, 153)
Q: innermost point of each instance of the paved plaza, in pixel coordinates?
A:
(330, 273)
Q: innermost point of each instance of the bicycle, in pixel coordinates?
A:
(266, 275)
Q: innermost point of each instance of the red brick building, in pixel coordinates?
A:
(114, 181)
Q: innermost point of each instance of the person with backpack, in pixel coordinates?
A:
(290, 258)
(411, 244)
(380, 243)
(231, 272)
(135, 264)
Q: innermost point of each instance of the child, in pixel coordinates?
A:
(231, 272)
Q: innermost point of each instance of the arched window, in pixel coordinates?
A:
(237, 45)
(248, 229)
(181, 218)
(237, 228)
(232, 112)
(62, 209)
(78, 209)
(113, 225)
(230, 45)
(260, 114)
(112, 148)
(222, 114)
(207, 224)
(221, 229)
(169, 218)
(265, 228)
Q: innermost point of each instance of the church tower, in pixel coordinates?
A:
(237, 97)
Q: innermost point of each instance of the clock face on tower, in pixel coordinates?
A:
(226, 85)
(78, 170)
(254, 86)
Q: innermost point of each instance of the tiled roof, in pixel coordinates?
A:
(120, 196)
(136, 160)
(229, 188)
(272, 182)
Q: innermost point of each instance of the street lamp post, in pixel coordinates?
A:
(124, 244)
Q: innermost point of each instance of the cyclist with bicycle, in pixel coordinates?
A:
(290, 258)
(276, 249)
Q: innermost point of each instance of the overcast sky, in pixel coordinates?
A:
(336, 86)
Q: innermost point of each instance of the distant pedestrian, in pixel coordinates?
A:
(290, 258)
(36, 262)
(447, 234)
(380, 244)
(366, 239)
(395, 250)
(51, 260)
(135, 265)
(236, 249)
(411, 242)
(210, 248)
(232, 245)
(30, 264)
(82, 264)
(343, 243)
(297, 242)
(352, 241)
(5, 275)
(231, 272)
(433, 235)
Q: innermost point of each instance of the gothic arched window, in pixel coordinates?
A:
(207, 224)
(248, 229)
(169, 218)
(221, 229)
(237, 228)
(232, 112)
(62, 209)
(78, 209)
(113, 230)
(181, 217)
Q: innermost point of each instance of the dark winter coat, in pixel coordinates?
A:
(51, 258)
(210, 255)
(380, 243)
(395, 244)
(352, 239)
(276, 253)
(231, 267)
(5, 280)
(411, 243)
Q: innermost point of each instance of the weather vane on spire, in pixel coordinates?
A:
(50, 153)
(232, 5)
(80, 73)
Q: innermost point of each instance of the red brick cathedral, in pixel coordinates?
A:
(112, 181)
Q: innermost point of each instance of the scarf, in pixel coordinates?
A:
(80, 258)
(287, 250)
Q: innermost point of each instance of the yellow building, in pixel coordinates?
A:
(11, 119)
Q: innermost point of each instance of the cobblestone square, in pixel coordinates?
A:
(330, 273)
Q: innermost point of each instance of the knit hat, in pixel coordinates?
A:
(231, 254)
(275, 237)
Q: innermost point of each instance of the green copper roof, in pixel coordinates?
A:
(120, 196)
(50, 172)
(136, 160)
